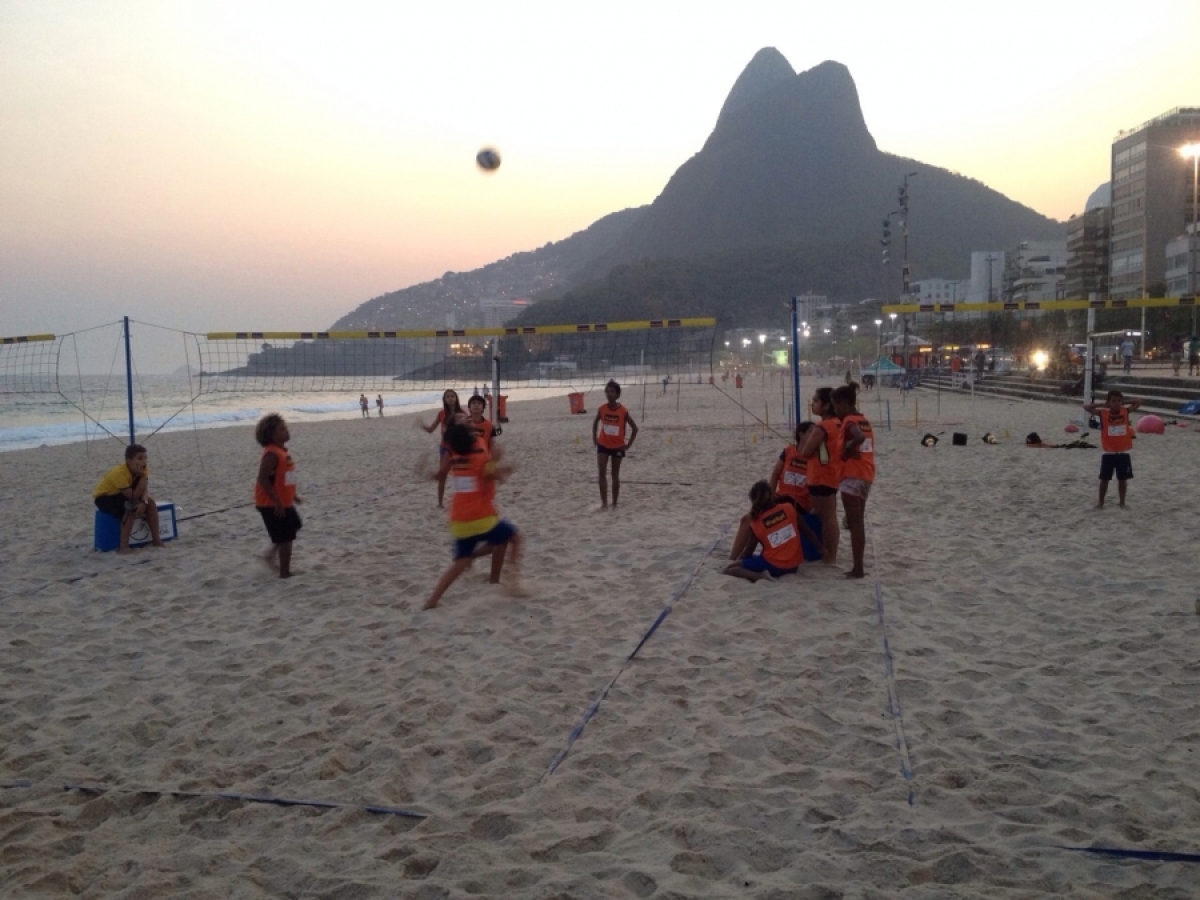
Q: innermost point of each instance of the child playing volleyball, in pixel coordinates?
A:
(474, 525)
(275, 492)
(450, 408)
(608, 434)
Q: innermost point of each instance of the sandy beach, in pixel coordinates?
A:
(1016, 676)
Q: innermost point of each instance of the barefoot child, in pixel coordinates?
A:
(475, 526)
(121, 493)
(1116, 440)
(608, 434)
(773, 522)
(858, 470)
(450, 408)
(275, 492)
(822, 448)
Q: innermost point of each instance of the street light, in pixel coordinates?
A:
(762, 342)
(879, 338)
(1192, 152)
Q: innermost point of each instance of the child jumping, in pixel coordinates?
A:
(473, 517)
(275, 492)
(1116, 440)
(858, 470)
(775, 523)
(608, 434)
(122, 494)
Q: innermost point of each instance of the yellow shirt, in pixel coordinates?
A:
(115, 480)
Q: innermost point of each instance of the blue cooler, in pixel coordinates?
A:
(106, 530)
(1191, 408)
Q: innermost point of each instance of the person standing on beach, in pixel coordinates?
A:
(858, 470)
(122, 494)
(450, 409)
(1177, 354)
(1193, 349)
(608, 434)
(822, 448)
(379, 404)
(483, 428)
(275, 495)
(1116, 440)
(473, 517)
(1127, 355)
(362, 403)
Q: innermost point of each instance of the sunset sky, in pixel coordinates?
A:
(211, 166)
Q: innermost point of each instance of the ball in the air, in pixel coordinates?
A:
(488, 159)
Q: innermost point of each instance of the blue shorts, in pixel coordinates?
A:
(1116, 462)
(759, 564)
(501, 533)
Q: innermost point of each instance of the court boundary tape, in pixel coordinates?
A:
(889, 670)
(588, 713)
(218, 795)
(1146, 855)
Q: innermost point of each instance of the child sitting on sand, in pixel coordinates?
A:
(121, 493)
(474, 525)
(789, 478)
(275, 492)
(775, 523)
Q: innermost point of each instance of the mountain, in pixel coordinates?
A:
(787, 195)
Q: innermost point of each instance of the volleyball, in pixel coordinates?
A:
(488, 159)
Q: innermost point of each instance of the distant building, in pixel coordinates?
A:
(1035, 271)
(1151, 200)
(496, 313)
(1088, 238)
(1177, 271)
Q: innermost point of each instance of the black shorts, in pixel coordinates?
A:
(282, 529)
(112, 504)
(1116, 462)
(609, 451)
(820, 490)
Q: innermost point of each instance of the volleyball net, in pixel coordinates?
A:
(29, 364)
(573, 356)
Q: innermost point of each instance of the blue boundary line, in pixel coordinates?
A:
(889, 670)
(223, 795)
(662, 615)
(1151, 855)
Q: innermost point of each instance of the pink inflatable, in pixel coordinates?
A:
(1150, 425)
(1071, 429)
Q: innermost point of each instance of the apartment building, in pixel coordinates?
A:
(1151, 200)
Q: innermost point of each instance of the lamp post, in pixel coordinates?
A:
(1192, 152)
(762, 343)
(878, 338)
(854, 342)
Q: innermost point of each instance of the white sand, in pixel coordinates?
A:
(1044, 655)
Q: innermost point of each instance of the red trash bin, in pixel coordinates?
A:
(502, 408)
(576, 401)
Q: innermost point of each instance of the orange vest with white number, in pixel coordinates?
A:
(611, 431)
(793, 479)
(862, 463)
(825, 467)
(778, 530)
(1116, 431)
(285, 479)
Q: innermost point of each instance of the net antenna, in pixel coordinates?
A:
(575, 356)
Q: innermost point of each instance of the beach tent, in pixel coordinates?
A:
(883, 367)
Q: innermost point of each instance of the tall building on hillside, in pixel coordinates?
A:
(498, 312)
(1151, 200)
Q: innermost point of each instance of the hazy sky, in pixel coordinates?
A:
(213, 166)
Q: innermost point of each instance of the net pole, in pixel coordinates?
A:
(494, 350)
(795, 364)
(129, 382)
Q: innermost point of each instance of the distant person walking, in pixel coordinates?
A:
(362, 403)
(1177, 354)
(379, 404)
(1194, 356)
(1127, 355)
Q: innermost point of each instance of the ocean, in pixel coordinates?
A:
(93, 408)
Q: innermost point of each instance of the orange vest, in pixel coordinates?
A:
(793, 479)
(825, 467)
(1116, 431)
(474, 494)
(778, 530)
(285, 479)
(611, 430)
(483, 432)
(862, 464)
